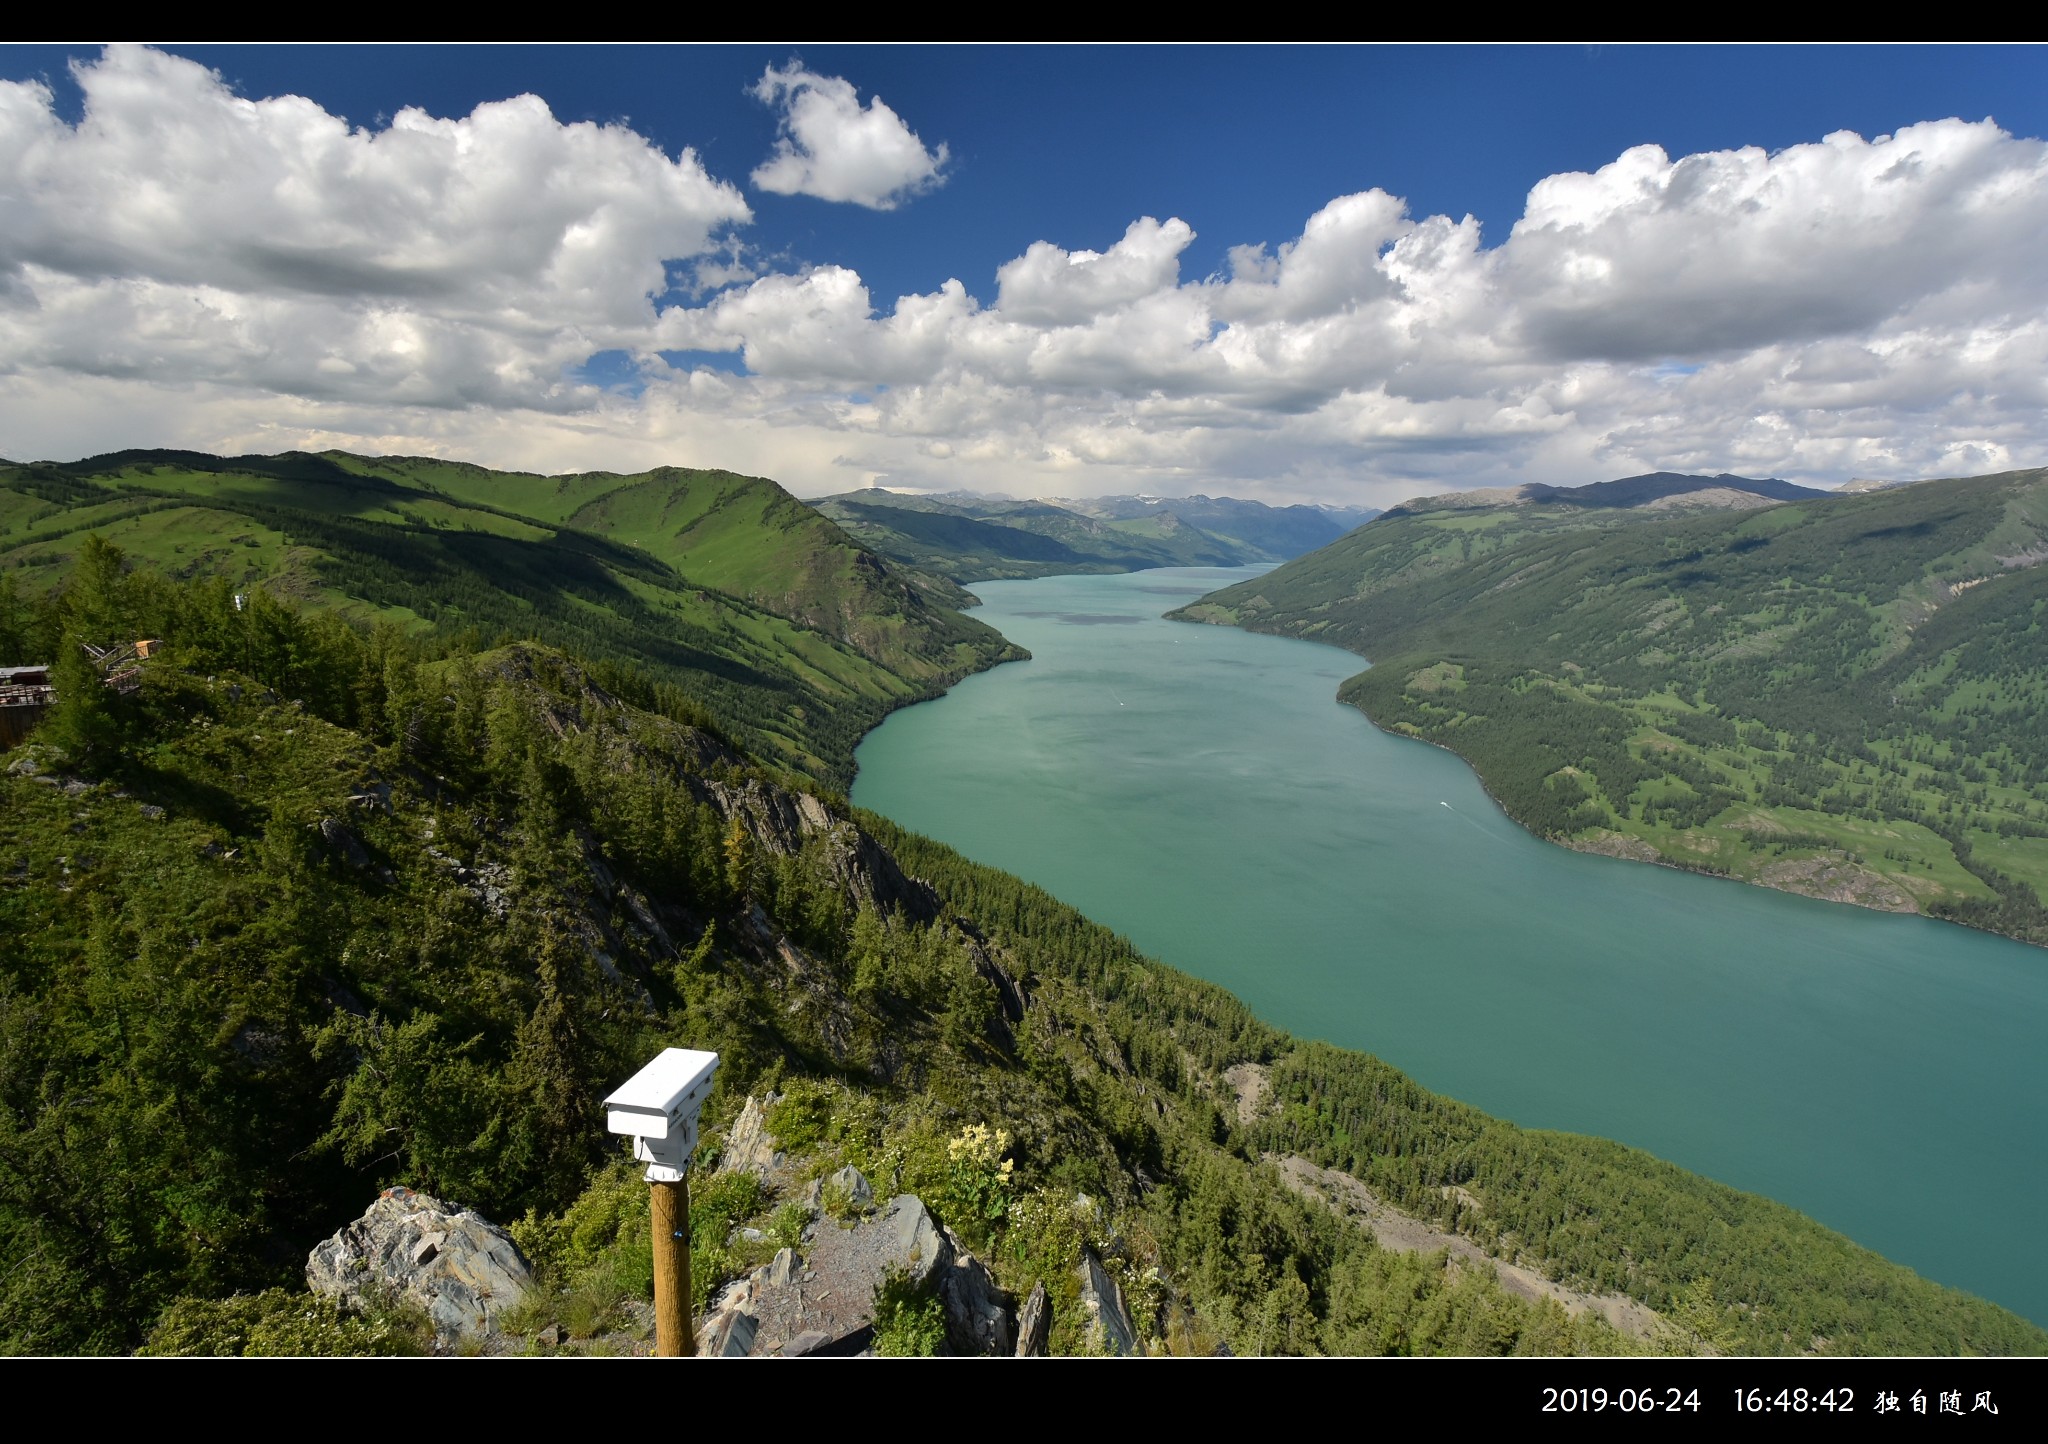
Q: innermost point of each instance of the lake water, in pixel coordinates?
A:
(1200, 790)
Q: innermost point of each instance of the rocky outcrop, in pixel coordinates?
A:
(1253, 1085)
(1832, 877)
(922, 1247)
(728, 1335)
(977, 1310)
(1400, 1232)
(1606, 843)
(749, 1146)
(1034, 1324)
(780, 821)
(1109, 1323)
(460, 1267)
(854, 1184)
(822, 1301)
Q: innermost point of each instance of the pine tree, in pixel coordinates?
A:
(741, 863)
(549, 1069)
(14, 625)
(97, 593)
(83, 723)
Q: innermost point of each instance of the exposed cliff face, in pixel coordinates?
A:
(781, 822)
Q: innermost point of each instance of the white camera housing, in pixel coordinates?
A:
(658, 1108)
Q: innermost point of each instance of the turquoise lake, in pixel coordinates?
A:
(1200, 790)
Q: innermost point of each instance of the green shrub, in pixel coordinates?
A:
(275, 1323)
(801, 1118)
(1042, 1243)
(788, 1225)
(910, 1321)
(592, 1305)
(838, 1202)
(717, 1204)
(611, 1211)
(723, 1199)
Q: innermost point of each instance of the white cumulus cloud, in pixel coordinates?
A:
(188, 266)
(834, 148)
(1049, 286)
(1720, 252)
(1842, 307)
(181, 231)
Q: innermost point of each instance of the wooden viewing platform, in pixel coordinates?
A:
(26, 692)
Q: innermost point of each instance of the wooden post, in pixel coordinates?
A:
(657, 1107)
(673, 1335)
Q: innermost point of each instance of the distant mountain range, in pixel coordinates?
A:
(972, 538)
(1653, 491)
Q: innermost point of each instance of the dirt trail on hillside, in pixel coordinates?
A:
(1404, 1233)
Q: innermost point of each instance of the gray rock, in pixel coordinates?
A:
(343, 842)
(749, 1146)
(921, 1249)
(1034, 1324)
(1109, 1325)
(823, 1302)
(856, 1186)
(977, 1310)
(728, 1307)
(729, 1336)
(460, 1267)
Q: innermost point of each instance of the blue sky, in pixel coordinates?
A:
(1189, 368)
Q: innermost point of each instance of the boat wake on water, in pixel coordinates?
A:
(1475, 822)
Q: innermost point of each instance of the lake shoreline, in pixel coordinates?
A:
(1304, 864)
(1786, 882)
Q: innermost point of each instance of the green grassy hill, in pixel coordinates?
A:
(322, 909)
(724, 586)
(1838, 696)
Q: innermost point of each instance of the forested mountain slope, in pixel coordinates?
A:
(1263, 532)
(727, 587)
(320, 909)
(1839, 696)
(971, 538)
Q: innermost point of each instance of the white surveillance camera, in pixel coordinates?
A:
(658, 1107)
